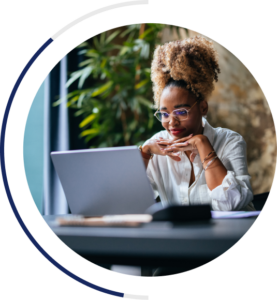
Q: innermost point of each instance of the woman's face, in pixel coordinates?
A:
(175, 98)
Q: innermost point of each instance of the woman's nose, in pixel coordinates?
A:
(173, 120)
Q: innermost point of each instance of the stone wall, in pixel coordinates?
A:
(239, 104)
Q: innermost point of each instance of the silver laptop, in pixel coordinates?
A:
(104, 181)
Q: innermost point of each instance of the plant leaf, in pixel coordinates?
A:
(123, 50)
(146, 32)
(123, 105)
(58, 102)
(103, 63)
(86, 62)
(72, 100)
(127, 136)
(107, 73)
(145, 51)
(80, 100)
(91, 136)
(90, 131)
(96, 43)
(118, 113)
(151, 24)
(150, 120)
(144, 101)
(84, 44)
(68, 96)
(87, 120)
(141, 84)
(112, 36)
(82, 51)
(85, 75)
(102, 38)
(102, 89)
(74, 76)
(133, 125)
(79, 112)
(126, 31)
(92, 53)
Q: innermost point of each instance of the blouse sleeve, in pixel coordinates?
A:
(235, 192)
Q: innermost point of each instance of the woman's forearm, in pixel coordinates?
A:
(146, 149)
(216, 172)
(146, 161)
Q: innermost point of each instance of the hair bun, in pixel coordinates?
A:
(193, 60)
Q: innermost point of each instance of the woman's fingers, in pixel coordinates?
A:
(162, 146)
(162, 141)
(183, 139)
(180, 144)
(179, 148)
(166, 151)
(165, 142)
(174, 156)
(183, 146)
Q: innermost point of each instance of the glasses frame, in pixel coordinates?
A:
(188, 110)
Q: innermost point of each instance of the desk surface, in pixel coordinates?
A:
(155, 243)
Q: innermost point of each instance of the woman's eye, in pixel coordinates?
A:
(165, 115)
(181, 113)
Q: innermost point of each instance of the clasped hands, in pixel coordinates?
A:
(172, 148)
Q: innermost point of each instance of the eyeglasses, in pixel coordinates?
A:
(179, 114)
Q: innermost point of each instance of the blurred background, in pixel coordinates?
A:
(100, 95)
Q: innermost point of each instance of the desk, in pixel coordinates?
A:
(155, 244)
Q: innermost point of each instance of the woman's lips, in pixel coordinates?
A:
(176, 131)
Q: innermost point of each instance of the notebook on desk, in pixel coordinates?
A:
(104, 181)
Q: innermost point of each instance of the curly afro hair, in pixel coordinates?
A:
(192, 61)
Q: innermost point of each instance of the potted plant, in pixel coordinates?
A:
(114, 95)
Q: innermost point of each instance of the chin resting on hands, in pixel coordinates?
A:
(189, 143)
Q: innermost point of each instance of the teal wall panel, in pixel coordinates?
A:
(33, 148)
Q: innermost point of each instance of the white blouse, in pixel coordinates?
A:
(170, 179)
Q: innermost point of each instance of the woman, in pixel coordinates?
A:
(190, 162)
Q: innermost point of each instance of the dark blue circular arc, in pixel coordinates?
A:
(4, 175)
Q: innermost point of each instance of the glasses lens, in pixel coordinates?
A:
(162, 116)
(181, 114)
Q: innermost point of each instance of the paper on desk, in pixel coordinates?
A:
(109, 220)
(233, 214)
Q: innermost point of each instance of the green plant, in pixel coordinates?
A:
(114, 94)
